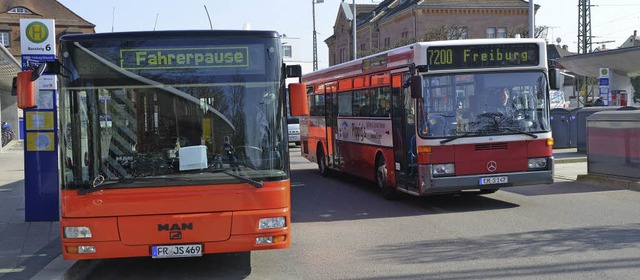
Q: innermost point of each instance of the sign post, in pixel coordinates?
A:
(37, 37)
(604, 86)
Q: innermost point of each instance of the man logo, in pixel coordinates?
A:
(37, 32)
(175, 235)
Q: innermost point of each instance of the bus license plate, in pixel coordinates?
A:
(494, 180)
(176, 251)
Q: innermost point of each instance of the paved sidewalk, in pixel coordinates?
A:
(25, 247)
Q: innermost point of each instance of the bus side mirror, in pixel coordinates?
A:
(298, 100)
(39, 71)
(416, 87)
(14, 86)
(25, 90)
(293, 71)
(556, 79)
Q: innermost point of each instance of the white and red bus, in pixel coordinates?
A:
(435, 117)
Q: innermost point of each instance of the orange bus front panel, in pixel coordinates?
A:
(242, 238)
(159, 229)
(174, 200)
(128, 222)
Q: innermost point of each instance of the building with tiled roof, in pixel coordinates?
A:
(11, 11)
(397, 22)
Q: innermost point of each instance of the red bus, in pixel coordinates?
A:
(435, 117)
(173, 143)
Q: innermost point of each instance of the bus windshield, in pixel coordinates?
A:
(484, 103)
(168, 111)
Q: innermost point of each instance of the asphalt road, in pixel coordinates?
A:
(343, 229)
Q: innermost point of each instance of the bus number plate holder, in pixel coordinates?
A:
(176, 251)
(494, 180)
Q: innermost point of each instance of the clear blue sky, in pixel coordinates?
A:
(611, 19)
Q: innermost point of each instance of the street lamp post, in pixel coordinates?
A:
(315, 37)
(353, 25)
(532, 21)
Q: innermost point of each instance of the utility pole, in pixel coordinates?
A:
(584, 45)
(584, 26)
(315, 37)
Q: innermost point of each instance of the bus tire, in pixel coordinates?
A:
(322, 163)
(387, 191)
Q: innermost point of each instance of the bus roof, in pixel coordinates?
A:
(414, 53)
(177, 34)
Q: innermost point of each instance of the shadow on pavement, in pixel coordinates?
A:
(217, 266)
(559, 188)
(344, 197)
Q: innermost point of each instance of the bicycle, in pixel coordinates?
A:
(7, 134)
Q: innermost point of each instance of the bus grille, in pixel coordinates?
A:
(491, 146)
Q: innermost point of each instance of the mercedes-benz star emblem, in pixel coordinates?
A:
(492, 166)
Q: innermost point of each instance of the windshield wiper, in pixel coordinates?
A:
(466, 134)
(519, 132)
(99, 183)
(244, 179)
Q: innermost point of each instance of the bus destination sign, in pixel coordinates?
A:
(181, 58)
(482, 56)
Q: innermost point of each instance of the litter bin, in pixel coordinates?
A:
(573, 127)
(560, 128)
(581, 124)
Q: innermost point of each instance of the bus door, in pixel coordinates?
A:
(403, 119)
(331, 105)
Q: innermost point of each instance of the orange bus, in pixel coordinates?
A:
(425, 119)
(173, 143)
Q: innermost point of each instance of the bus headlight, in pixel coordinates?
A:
(270, 223)
(439, 170)
(77, 232)
(537, 163)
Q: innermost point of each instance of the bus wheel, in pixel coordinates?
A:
(381, 180)
(322, 163)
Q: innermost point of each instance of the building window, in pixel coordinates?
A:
(405, 34)
(387, 42)
(502, 32)
(5, 39)
(286, 51)
(491, 32)
(20, 10)
(362, 46)
(342, 56)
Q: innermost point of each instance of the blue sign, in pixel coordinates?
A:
(30, 61)
(42, 190)
(604, 82)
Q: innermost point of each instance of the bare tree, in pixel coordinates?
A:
(445, 32)
(538, 32)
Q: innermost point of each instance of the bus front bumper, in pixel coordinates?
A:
(453, 184)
